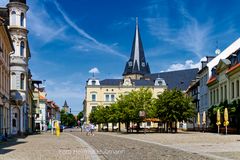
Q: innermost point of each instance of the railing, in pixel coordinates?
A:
(18, 60)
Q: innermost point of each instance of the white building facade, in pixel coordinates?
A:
(19, 66)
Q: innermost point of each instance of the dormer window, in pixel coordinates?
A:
(160, 82)
(238, 57)
(130, 63)
(233, 59)
(143, 64)
(93, 82)
(214, 72)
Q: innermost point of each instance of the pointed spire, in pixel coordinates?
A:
(137, 63)
(65, 104)
(136, 22)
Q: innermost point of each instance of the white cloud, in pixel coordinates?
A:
(94, 70)
(42, 25)
(81, 32)
(189, 35)
(187, 65)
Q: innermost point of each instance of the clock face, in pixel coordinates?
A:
(127, 82)
(143, 64)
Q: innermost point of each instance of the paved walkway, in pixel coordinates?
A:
(110, 146)
(207, 144)
(46, 147)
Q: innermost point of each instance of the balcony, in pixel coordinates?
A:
(18, 60)
(16, 98)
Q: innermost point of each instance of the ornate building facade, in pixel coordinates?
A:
(224, 83)
(19, 70)
(6, 48)
(135, 76)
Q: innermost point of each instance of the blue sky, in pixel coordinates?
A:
(70, 37)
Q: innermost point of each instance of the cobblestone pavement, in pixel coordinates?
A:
(45, 147)
(206, 144)
(113, 147)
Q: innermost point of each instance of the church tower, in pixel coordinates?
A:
(19, 65)
(66, 107)
(136, 67)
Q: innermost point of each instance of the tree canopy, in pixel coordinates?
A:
(170, 106)
(67, 119)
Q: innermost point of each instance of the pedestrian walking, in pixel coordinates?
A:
(87, 129)
(92, 128)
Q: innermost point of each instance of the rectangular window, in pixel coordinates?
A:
(232, 89)
(112, 97)
(225, 92)
(94, 97)
(221, 95)
(107, 97)
(93, 108)
(237, 88)
(214, 97)
(148, 123)
(211, 98)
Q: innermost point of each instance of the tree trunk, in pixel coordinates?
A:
(138, 126)
(176, 127)
(119, 126)
(171, 126)
(167, 126)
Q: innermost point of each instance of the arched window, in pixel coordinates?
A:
(22, 47)
(22, 20)
(14, 17)
(22, 81)
(13, 83)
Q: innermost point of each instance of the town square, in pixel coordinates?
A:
(113, 80)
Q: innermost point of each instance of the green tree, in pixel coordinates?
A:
(131, 104)
(80, 115)
(63, 117)
(173, 106)
(67, 119)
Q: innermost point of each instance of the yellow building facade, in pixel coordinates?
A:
(224, 83)
(6, 49)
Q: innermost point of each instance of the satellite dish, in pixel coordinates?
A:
(218, 51)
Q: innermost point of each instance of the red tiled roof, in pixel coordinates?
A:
(233, 68)
(41, 97)
(212, 79)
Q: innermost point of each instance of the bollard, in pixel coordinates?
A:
(57, 129)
